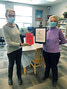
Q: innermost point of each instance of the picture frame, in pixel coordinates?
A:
(40, 35)
(38, 15)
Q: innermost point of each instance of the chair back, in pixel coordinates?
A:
(39, 55)
(39, 59)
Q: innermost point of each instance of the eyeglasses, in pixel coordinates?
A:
(11, 15)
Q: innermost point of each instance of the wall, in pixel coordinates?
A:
(58, 9)
(34, 7)
(34, 22)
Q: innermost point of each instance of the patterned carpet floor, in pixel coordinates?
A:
(31, 81)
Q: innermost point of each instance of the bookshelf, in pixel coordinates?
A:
(66, 32)
(63, 26)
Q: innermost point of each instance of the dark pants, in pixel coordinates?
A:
(14, 56)
(51, 60)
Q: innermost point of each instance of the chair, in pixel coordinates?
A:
(39, 59)
(2, 40)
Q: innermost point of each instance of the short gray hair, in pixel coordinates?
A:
(8, 10)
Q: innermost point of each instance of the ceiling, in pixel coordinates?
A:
(37, 2)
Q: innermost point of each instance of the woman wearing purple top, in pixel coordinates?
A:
(51, 50)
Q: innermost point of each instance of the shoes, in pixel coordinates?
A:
(54, 84)
(20, 81)
(44, 78)
(10, 81)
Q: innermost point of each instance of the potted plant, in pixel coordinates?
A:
(61, 18)
(65, 14)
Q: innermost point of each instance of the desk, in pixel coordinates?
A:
(28, 54)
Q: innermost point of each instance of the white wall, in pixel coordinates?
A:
(34, 22)
(58, 9)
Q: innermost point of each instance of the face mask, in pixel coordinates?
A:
(52, 24)
(11, 20)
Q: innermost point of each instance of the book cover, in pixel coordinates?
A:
(29, 38)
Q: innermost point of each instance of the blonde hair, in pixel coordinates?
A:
(8, 10)
(54, 16)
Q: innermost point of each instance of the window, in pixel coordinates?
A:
(23, 16)
(26, 25)
(2, 15)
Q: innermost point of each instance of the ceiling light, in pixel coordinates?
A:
(51, 0)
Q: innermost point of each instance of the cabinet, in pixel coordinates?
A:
(63, 26)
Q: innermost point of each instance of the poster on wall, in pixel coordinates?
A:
(38, 15)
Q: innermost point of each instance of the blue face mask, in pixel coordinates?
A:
(11, 20)
(52, 24)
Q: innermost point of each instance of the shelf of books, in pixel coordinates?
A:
(62, 25)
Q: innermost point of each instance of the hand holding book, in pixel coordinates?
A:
(25, 44)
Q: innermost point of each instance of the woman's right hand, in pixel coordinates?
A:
(25, 44)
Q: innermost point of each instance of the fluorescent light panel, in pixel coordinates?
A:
(51, 0)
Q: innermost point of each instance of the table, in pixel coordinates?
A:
(28, 54)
